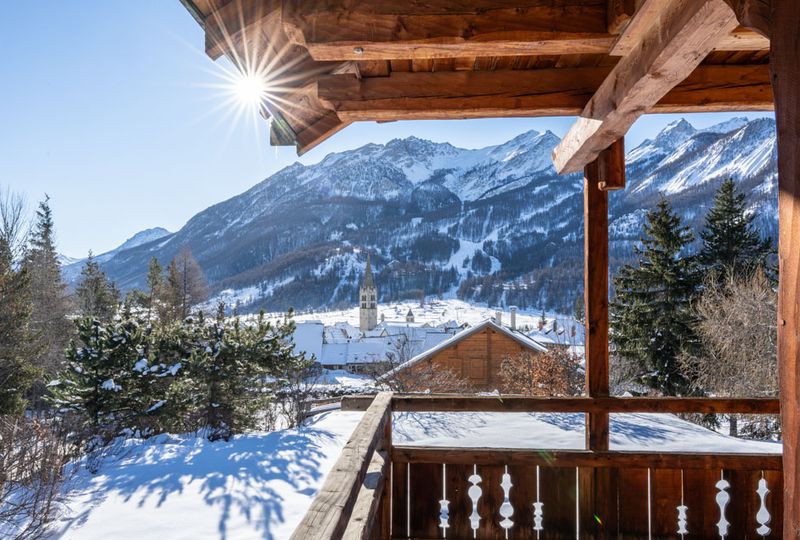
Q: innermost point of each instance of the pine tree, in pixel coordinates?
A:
(114, 378)
(651, 317)
(732, 246)
(95, 296)
(17, 373)
(579, 309)
(50, 303)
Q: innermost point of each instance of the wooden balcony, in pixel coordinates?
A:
(381, 490)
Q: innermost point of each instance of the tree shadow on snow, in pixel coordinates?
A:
(250, 474)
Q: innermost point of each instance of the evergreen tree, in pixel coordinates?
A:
(113, 379)
(155, 287)
(732, 246)
(17, 373)
(651, 317)
(95, 295)
(579, 309)
(49, 301)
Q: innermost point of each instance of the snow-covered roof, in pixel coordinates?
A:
(519, 337)
(307, 338)
(359, 352)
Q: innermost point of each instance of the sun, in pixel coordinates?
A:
(250, 89)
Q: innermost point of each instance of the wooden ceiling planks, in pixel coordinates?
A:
(311, 39)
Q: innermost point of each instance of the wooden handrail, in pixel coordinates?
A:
(332, 508)
(451, 403)
(585, 458)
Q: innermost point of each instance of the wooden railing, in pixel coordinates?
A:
(377, 490)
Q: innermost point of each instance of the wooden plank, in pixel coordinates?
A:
(317, 132)
(425, 492)
(634, 521)
(460, 507)
(389, 30)
(357, 402)
(785, 65)
(666, 490)
(672, 47)
(559, 495)
(584, 458)
(774, 502)
(330, 510)
(450, 403)
(232, 22)
(541, 92)
(365, 517)
(611, 167)
(399, 500)
(595, 286)
(522, 497)
(490, 501)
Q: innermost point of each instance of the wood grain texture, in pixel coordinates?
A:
(388, 30)
(672, 47)
(365, 517)
(595, 286)
(611, 167)
(584, 458)
(539, 92)
(785, 64)
(449, 402)
(330, 511)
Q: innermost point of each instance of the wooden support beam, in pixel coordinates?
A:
(611, 167)
(584, 458)
(595, 287)
(235, 21)
(754, 14)
(318, 132)
(619, 14)
(541, 92)
(388, 29)
(673, 45)
(669, 405)
(785, 64)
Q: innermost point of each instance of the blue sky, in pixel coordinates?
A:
(106, 105)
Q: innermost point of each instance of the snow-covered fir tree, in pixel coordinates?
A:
(651, 317)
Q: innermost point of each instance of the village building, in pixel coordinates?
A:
(473, 356)
(368, 301)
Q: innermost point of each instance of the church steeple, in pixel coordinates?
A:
(368, 281)
(368, 300)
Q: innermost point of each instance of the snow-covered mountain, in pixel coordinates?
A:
(71, 267)
(495, 224)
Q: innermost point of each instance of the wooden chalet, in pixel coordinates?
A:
(474, 355)
(332, 62)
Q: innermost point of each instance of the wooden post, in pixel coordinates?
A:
(785, 65)
(595, 283)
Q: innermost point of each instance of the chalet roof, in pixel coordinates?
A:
(519, 337)
(332, 63)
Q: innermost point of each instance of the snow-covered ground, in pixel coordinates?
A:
(559, 431)
(260, 485)
(173, 488)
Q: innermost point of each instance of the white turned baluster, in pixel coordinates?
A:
(474, 493)
(723, 498)
(444, 504)
(538, 508)
(506, 510)
(682, 520)
(682, 509)
(762, 516)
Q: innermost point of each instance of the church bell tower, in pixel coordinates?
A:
(368, 301)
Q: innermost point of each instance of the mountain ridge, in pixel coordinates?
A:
(493, 224)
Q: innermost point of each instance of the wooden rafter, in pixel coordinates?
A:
(388, 29)
(543, 92)
(669, 49)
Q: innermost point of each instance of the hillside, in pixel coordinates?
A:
(494, 225)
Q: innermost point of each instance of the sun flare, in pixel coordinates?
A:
(250, 89)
